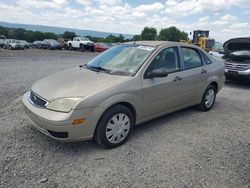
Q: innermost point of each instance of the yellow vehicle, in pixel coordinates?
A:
(201, 39)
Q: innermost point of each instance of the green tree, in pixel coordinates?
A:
(18, 34)
(136, 38)
(172, 34)
(4, 31)
(37, 35)
(68, 35)
(49, 35)
(149, 33)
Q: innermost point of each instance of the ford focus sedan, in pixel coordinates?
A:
(125, 86)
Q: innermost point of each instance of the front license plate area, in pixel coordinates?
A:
(232, 73)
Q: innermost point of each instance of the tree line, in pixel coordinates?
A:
(148, 33)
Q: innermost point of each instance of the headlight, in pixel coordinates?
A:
(62, 104)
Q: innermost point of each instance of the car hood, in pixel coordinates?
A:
(76, 82)
(237, 44)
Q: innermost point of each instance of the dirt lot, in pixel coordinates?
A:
(184, 149)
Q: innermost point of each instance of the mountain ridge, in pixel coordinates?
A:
(61, 30)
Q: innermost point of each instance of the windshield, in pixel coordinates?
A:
(123, 59)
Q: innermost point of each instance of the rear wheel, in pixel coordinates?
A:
(208, 98)
(114, 127)
(70, 47)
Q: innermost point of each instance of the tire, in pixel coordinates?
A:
(10, 48)
(70, 47)
(110, 133)
(208, 99)
(93, 49)
(82, 48)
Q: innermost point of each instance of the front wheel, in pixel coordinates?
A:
(82, 48)
(70, 47)
(114, 127)
(208, 98)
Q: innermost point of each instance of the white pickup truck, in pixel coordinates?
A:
(81, 43)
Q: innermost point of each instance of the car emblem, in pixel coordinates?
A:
(234, 65)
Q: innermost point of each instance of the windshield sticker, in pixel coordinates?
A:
(146, 48)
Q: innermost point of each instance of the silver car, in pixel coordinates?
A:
(125, 86)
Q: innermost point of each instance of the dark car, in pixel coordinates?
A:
(2, 41)
(41, 44)
(26, 44)
(53, 44)
(237, 58)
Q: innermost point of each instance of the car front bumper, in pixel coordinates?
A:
(58, 125)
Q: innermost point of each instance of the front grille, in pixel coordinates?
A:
(37, 100)
(236, 67)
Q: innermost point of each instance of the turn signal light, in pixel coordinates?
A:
(79, 121)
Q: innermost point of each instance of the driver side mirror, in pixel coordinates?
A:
(158, 73)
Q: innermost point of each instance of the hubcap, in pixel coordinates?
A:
(210, 96)
(117, 128)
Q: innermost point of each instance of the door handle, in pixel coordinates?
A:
(204, 71)
(177, 78)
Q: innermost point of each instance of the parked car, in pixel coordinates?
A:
(2, 41)
(101, 47)
(81, 43)
(41, 44)
(237, 58)
(26, 44)
(53, 44)
(13, 44)
(127, 85)
(64, 43)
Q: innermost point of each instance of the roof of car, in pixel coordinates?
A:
(158, 43)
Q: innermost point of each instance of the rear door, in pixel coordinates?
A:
(194, 74)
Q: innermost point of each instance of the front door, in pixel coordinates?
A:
(163, 94)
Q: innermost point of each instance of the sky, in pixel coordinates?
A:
(224, 18)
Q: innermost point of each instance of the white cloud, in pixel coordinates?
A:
(150, 7)
(84, 2)
(54, 4)
(204, 19)
(228, 17)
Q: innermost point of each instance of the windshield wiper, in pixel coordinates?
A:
(97, 69)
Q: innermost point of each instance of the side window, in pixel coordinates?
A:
(168, 59)
(206, 58)
(192, 58)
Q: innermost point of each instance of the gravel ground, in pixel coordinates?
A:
(184, 149)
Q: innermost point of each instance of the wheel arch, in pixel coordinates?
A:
(215, 84)
(127, 104)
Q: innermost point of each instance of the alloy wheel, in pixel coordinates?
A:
(210, 97)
